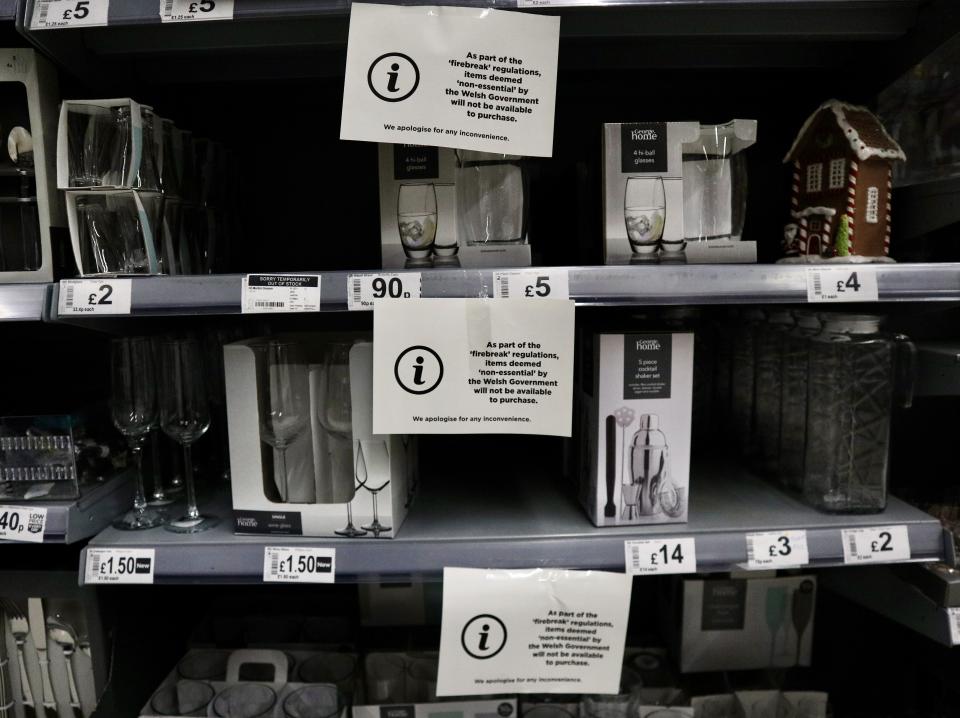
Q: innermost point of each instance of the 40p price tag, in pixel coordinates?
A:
(192, 10)
(69, 13)
(842, 285)
(661, 556)
(364, 289)
(94, 296)
(532, 284)
(876, 544)
(22, 523)
(119, 565)
(295, 564)
(777, 549)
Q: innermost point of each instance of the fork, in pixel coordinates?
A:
(20, 630)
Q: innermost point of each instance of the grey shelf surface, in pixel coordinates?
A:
(23, 302)
(524, 521)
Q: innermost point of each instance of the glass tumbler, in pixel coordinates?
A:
(320, 701)
(492, 198)
(245, 700)
(645, 213)
(385, 675)
(417, 219)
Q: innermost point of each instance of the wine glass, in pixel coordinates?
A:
(185, 417)
(644, 211)
(284, 398)
(417, 219)
(133, 407)
(375, 527)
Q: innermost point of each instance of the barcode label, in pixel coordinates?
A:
(876, 544)
(95, 296)
(503, 286)
(842, 285)
(263, 293)
(661, 556)
(49, 14)
(69, 295)
(365, 289)
(953, 616)
(295, 564)
(194, 10)
(777, 549)
(119, 565)
(532, 284)
(270, 304)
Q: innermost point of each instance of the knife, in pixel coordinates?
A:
(38, 630)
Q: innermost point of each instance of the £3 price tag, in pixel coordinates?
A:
(777, 549)
(22, 523)
(119, 565)
(876, 544)
(94, 296)
(69, 13)
(662, 556)
(532, 284)
(295, 564)
(364, 289)
(842, 285)
(191, 10)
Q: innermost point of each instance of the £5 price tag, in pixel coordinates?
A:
(842, 285)
(23, 523)
(69, 13)
(296, 564)
(532, 284)
(777, 549)
(648, 556)
(94, 296)
(119, 565)
(364, 289)
(191, 10)
(876, 544)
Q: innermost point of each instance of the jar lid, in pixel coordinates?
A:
(851, 323)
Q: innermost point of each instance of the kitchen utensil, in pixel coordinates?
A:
(610, 435)
(63, 635)
(6, 691)
(775, 607)
(20, 630)
(648, 464)
(38, 631)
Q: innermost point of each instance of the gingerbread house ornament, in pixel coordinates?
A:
(840, 196)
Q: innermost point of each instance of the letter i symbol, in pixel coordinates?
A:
(392, 84)
(418, 372)
(484, 635)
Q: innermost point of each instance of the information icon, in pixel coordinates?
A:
(483, 636)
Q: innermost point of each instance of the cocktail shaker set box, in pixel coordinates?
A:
(635, 447)
(349, 483)
(427, 220)
(675, 192)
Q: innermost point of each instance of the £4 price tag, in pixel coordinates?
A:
(842, 285)
(95, 296)
(876, 544)
(532, 284)
(662, 556)
(777, 549)
(22, 523)
(296, 564)
(191, 10)
(119, 565)
(69, 13)
(364, 289)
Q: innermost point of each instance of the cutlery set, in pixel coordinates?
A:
(51, 660)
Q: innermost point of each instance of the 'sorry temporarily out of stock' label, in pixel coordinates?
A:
(280, 293)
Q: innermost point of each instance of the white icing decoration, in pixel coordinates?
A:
(862, 151)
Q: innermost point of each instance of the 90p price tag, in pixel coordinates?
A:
(23, 523)
(119, 565)
(94, 296)
(191, 10)
(364, 289)
(842, 285)
(876, 544)
(777, 549)
(295, 564)
(532, 284)
(661, 556)
(49, 14)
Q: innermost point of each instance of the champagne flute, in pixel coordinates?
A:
(133, 407)
(185, 417)
(375, 527)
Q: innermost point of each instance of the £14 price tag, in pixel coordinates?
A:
(661, 556)
(119, 565)
(95, 296)
(876, 544)
(777, 549)
(22, 523)
(364, 289)
(532, 284)
(188, 10)
(842, 285)
(295, 564)
(69, 13)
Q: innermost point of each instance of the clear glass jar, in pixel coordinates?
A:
(793, 398)
(491, 198)
(769, 384)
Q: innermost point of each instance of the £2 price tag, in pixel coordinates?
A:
(69, 13)
(532, 284)
(842, 285)
(364, 289)
(296, 564)
(23, 523)
(119, 565)
(777, 549)
(192, 10)
(95, 296)
(661, 556)
(876, 544)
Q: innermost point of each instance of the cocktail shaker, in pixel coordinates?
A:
(649, 463)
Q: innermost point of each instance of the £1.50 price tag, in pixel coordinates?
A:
(842, 285)
(94, 296)
(647, 556)
(364, 289)
(532, 284)
(119, 565)
(777, 549)
(876, 544)
(69, 13)
(296, 564)
(190, 10)
(23, 523)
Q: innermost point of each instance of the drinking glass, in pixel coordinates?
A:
(382, 458)
(183, 698)
(245, 700)
(417, 219)
(114, 237)
(284, 399)
(445, 244)
(422, 672)
(91, 136)
(386, 678)
(185, 417)
(133, 407)
(204, 664)
(148, 172)
(322, 701)
(330, 667)
(602, 706)
(169, 167)
(645, 212)
(491, 198)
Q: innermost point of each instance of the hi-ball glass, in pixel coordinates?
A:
(645, 213)
(417, 219)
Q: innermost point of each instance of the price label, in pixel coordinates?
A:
(295, 564)
(274, 293)
(22, 523)
(953, 616)
(95, 296)
(189, 10)
(364, 289)
(842, 285)
(69, 13)
(777, 549)
(119, 565)
(661, 556)
(532, 284)
(877, 544)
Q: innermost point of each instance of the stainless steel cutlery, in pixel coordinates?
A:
(20, 629)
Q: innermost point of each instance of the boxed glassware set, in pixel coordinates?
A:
(675, 192)
(452, 208)
(303, 456)
(758, 704)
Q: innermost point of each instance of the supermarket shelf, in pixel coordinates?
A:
(23, 302)
(589, 286)
(518, 519)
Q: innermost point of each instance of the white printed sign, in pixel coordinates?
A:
(876, 544)
(532, 631)
(661, 556)
(298, 564)
(69, 13)
(268, 293)
(119, 565)
(191, 10)
(23, 523)
(95, 296)
(842, 285)
(364, 289)
(777, 549)
(472, 366)
(471, 78)
(532, 284)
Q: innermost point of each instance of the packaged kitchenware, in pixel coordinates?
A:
(492, 198)
(115, 231)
